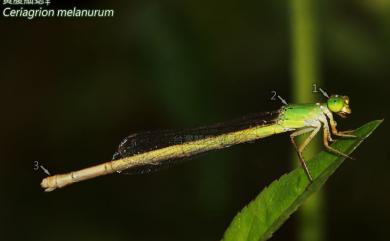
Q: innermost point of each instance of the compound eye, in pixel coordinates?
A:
(335, 104)
(346, 100)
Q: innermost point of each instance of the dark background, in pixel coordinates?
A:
(71, 89)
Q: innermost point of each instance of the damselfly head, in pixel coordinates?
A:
(339, 104)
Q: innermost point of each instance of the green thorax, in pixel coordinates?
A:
(296, 116)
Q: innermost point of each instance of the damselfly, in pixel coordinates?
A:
(150, 150)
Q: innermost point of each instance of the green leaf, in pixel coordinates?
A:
(271, 208)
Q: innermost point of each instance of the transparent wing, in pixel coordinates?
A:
(151, 140)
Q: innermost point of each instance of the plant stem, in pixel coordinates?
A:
(304, 66)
